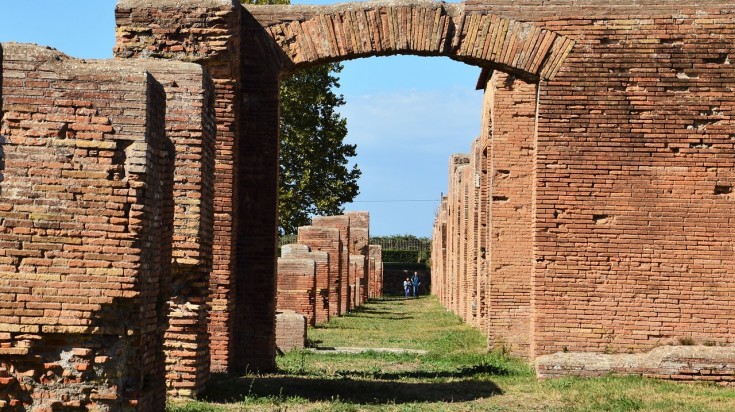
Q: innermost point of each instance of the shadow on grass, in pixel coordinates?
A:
(386, 316)
(465, 372)
(347, 390)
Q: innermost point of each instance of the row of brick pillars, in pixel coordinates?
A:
(483, 228)
(331, 269)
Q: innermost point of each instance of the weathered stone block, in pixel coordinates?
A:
(290, 330)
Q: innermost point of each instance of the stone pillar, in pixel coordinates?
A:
(290, 330)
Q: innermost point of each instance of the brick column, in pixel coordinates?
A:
(342, 223)
(321, 293)
(513, 110)
(360, 240)
(376, 280)
(206, 32)
(257, 181)
(326, 240)
(297, 286)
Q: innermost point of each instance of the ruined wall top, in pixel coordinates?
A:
(176, 3)
(268, 14)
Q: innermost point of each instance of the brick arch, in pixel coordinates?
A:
(313, 35)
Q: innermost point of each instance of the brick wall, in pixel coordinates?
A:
(621, 171)
(629, 166)
(642, 233)
(190, 124)
(206, 32)
(438, 253)
(86, 230)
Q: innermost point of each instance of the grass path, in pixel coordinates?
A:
(457, 374)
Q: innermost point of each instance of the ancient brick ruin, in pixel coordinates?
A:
(138, 195)
(314, 279)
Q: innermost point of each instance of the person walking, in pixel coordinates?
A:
(415, 282)
(406, 287)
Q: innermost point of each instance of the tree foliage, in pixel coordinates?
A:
(314, 178)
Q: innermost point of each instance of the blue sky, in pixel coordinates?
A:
(406, 114)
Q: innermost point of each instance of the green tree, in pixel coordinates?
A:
(314, 178)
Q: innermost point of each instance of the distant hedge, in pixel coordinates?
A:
(401, 256)
(399, 266)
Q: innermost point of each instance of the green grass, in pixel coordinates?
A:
(457, 374)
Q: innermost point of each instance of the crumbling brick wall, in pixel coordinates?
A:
(86, 227)
(208, 32)
(190, 124)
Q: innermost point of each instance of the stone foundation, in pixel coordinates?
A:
(687, 363)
